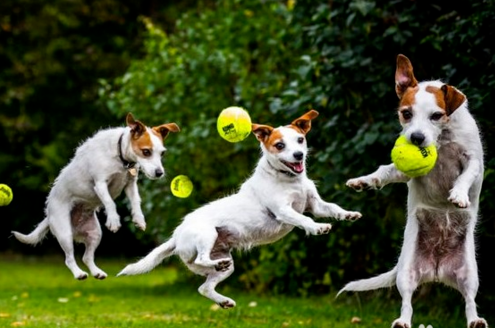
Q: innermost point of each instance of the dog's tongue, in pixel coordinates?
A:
(297, 167)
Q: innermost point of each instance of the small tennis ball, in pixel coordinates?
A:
(412, 160)
(234, 124)
(181, 186)
(6, 195)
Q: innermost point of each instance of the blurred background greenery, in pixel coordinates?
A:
(71, 67)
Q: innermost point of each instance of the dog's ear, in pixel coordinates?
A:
(164, 129)
(137, 128)
(262, 132)
(453, 98)
(404, 76)
(303, 123)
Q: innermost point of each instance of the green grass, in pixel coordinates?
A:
(40, 292)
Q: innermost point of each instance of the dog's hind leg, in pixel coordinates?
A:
(407, 282)
(89, 231)
(466, 279)
(213, 278)
(206, 240)
(60, 225)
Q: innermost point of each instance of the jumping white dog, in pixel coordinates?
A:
(267, 207)
(442, 206)
(102, 167)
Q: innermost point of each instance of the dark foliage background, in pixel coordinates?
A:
(70, 70)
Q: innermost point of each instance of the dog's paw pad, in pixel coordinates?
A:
(82, 276)
(223, 265)
(459, 202)
(357, 185)
(140, 225)
(459, 199)
(480, 323)
(227, 304)
(323, 229)
(139, 222)
(100, 275)
(400, 324)
(352, 216)
(113, 227)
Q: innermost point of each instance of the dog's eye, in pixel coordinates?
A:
(280, 145)
(300, 140)
(436, 116)
(406, 114)
(146, 152)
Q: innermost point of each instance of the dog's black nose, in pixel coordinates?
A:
(417, 138)
(299, 155)
(158, 173)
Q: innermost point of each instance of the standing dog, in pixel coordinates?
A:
(442, 207)
(266, 208)
(102, 167)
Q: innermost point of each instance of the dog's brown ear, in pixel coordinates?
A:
(262, 132)
(303, 123)
(137, 128)
(404, 76)
(453, 98)
(165, 129)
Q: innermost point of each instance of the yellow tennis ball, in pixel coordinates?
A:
(181, 186)
(6, 195)
(234, 124)
(412, 160)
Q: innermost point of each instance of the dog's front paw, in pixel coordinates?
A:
(349, 216)
(478, 323)
(362, 183)
(227, 304)
(320, 229)
(113, 223)
(400, 324)
(139, 221)
(460, 199)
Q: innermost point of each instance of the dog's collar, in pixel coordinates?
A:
(286, 173)
(128, 165)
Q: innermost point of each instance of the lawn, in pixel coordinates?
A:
(40, 292)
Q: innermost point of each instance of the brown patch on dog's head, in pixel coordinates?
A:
(303, 123)
(404, 76)
(137, 128)
(141, 141)
(269, 136)
(164, 129)
(447, 97)
(262, 132)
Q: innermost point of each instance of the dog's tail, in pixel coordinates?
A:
(150, 261)
(35, 236)
(386, 279)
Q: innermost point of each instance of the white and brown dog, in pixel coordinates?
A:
(102, 167)
(267, 207)
(442, 206)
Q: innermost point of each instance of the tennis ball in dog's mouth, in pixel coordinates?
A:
(234, 124)
(412, 160)
(181, 186)
(6, 195)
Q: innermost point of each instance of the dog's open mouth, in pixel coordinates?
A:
(296, 167)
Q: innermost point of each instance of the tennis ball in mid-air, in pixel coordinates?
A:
(181, 186)
(412, 160)
(234, 124)
(6, 195)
